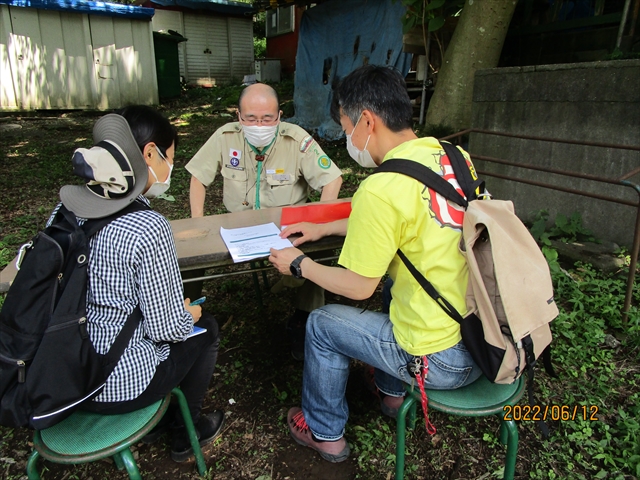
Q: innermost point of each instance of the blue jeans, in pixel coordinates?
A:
(338, 333)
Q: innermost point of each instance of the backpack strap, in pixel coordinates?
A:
(530, 358)
(462, 173)
(430, 289)
(424, 175)
(112, 357)
(91, 227)
(546, 360)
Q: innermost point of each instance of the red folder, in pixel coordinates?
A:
(315, 213)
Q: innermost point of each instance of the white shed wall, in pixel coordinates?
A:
(54, 60)
(124, 62)
(8, 99)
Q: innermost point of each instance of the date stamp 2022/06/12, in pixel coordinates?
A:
(550, 412)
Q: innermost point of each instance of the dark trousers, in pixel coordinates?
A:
(190, 366)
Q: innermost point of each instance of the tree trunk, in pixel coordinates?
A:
(476, 44)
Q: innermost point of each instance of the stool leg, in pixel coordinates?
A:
(118, 461)
(401, 431)
(125, 458)
(412, 413)
(191, 430)
(32, 468)
(512, 446)
(504, 432)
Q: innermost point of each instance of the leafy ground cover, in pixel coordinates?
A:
(256, 380)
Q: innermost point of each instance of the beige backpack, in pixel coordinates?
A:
(510, 294)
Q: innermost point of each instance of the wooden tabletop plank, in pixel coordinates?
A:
(199, 244)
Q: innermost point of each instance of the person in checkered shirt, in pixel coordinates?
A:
(133, 263)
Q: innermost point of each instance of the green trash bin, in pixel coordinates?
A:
(165, 46)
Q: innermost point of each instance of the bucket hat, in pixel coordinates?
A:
(114, 170)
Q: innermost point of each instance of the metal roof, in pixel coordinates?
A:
(218, 6)
(82, 6)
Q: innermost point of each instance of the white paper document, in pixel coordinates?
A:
(253, 242)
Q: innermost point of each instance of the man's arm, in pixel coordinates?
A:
(335, 279)
(203, 167)
(331, 190)
(311, 232)
(197, 194)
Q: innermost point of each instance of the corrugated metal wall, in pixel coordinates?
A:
(54, 60)
(241, 39)
(219, 48)
(207, 49)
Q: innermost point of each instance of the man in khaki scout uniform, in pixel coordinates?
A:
(266, 163)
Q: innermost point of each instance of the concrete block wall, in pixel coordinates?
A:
(587, 102)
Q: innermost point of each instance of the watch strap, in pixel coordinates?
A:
(295, 266)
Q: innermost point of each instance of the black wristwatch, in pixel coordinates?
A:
(296, 271)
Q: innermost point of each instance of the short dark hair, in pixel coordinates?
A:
(380, 89)
(149, 125)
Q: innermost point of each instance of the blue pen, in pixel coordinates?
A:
(199, 301)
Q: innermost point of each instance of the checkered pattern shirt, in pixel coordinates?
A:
(132, 262)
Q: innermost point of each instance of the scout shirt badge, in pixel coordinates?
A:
(235, 156)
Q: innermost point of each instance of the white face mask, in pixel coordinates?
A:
(260, 135)
(157, 188)
(363, 157)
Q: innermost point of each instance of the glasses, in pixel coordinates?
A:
(267, 120)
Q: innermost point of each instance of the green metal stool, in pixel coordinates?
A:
(479, 399)
(86, 437)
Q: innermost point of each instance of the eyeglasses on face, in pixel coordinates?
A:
(267, 120)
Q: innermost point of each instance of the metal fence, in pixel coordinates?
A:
(623, 181)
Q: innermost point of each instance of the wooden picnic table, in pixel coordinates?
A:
(199, 244)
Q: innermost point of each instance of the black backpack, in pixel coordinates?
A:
(48, 365)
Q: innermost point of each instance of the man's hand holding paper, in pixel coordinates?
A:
(253, 242)
(282, 259)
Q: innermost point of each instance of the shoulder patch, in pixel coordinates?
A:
(231, 127)
(305, 144)
(324, 162)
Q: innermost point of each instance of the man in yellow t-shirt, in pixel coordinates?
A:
(389, 212)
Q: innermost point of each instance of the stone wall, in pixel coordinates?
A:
(587, 102)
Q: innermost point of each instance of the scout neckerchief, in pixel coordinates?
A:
(260, 158)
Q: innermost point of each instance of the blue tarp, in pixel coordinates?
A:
(80, 6)
(336, 37)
